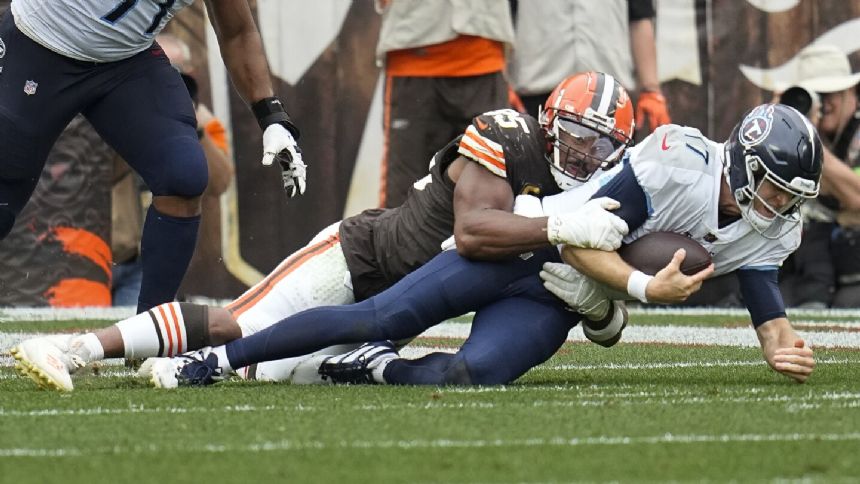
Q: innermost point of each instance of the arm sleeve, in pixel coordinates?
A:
(625, 188)
(640, 9)
(760, 291)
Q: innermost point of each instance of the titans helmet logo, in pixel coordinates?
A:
(756, 126)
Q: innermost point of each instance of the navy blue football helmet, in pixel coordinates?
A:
(773, 142)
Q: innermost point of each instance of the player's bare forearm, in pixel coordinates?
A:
(496, 234)
(602, 266)
(784, 350)
(241, 48)
(668, 286)
(644, 50)
(484, 224)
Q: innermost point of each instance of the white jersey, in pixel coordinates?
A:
(94, 30)
(680, 172)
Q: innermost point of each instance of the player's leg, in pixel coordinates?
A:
(508, 337)
(312, 276)
(148, 117)
(445, 287)
(39, 95)
(316, 275)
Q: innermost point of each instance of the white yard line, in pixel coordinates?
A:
(297, 445)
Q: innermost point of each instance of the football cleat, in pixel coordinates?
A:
(607, 332)
(357, 366)
(195, 368)
(47, 362)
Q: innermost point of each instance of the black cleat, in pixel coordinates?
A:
(357, 366)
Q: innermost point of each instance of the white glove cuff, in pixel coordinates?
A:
(553, 225)
(637, 283)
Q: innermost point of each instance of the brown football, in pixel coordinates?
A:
(653, 251)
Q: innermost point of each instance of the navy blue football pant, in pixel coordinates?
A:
(517, 324)
(140, 106)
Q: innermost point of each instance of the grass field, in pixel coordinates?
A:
(669, 408)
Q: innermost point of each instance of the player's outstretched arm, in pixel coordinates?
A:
(242, 51)
(668, 286)
(241, 48)
(485, 226)
(784, 350)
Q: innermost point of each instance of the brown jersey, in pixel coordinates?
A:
(383, 245)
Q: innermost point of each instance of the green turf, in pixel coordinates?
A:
(589, 414)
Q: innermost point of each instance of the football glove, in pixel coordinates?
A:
(279, 143)
(579, 292)
(591, 226)
(652, 106)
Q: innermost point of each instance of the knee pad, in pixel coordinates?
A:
(184, 173)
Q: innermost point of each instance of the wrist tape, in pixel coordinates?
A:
(270, 110)
(637, 283)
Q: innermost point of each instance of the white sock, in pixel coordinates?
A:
(379, 369)
(139, 336)
(223, 361)
(88, 347)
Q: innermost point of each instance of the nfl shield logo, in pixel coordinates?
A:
(30, 87)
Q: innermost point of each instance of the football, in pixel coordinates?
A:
(653, 251)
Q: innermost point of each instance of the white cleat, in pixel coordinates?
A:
(145, 369)
(195, 368)
(47, 362)
(162, 371)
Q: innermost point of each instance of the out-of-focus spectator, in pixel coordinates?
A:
(557, 38)
(825, 270)
(127, 213)
(828, 72)
(444, 64)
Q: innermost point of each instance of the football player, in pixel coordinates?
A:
(740, 199)
(469, 192)
(99, 58)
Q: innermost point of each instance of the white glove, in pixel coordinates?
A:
(588, 298)
(590, 227)
(278, 143)
(581, 293)
(528, 206)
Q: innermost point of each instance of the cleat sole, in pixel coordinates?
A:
(27, 369)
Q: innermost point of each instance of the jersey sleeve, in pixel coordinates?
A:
(760, 291)
(480, 144)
